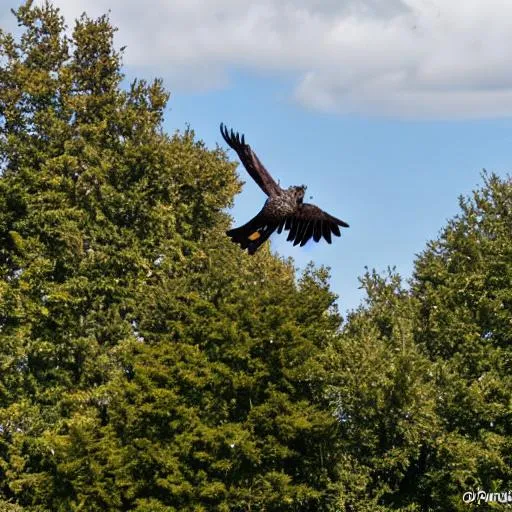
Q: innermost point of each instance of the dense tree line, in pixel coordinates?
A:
(147, 364)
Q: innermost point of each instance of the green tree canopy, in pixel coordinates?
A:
(422, 375)
(147, 364)
(463, 282)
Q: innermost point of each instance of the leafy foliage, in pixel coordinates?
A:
(423, 383)
(384, 398)
(148, 364)
(464, 282)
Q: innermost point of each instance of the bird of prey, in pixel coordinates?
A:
(284, 208)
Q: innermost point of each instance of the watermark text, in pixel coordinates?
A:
(487, 497)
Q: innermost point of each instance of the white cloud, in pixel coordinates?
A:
(404, 58)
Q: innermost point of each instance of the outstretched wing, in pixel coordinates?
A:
(310, 221)
(251, 162)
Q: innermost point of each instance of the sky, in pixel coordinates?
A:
(387, 110)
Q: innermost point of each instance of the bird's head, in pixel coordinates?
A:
(299, 192)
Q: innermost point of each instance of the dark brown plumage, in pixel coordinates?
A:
(284, 208)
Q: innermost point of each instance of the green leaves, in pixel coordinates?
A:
(147, 363)
(422, 386)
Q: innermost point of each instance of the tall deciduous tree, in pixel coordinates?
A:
(147, 364)
(421, 379)
(463, 282)
(384, 398)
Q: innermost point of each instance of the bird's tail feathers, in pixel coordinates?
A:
(253, 234)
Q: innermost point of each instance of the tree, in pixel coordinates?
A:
(422, 385)
(147, 364)
(463, 281)
(384, 398)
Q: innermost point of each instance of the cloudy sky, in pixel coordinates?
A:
(386, 109)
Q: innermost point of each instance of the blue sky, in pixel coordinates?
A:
(395, 182)
(388, 110)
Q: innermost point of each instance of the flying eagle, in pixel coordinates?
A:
(284, 208)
